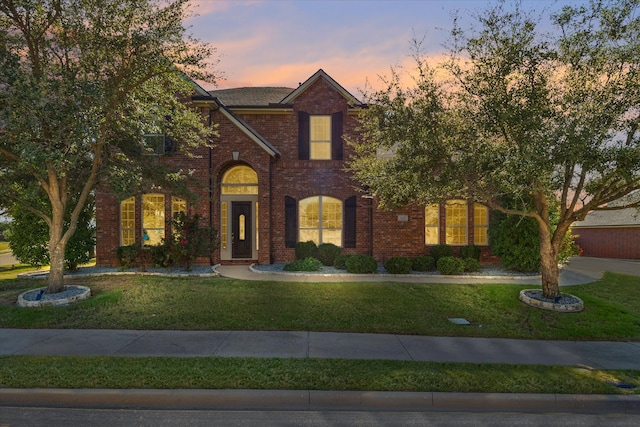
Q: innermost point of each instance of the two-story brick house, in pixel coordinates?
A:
(276, 176)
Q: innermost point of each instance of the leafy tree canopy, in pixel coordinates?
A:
(81, 83)
(541, 119)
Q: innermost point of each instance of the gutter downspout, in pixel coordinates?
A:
(210, 124)
(271, 254)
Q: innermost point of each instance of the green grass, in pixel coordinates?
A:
(304, 374)
(4, 247)
(128, 302)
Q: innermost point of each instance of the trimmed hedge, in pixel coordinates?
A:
(361, 264)
(440, 251)
(423, 263)
(327, 253)
(471, 264)
(341, 261)
(449, 265)
(470, 251)
(398, 265)
(307, 264)
(306, 250)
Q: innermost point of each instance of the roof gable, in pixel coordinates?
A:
(320, 74)
(247, 130)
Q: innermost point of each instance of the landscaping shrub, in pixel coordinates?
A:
(439, 251)
(190, 240)
(471, 264)
(306, 250)
(341, 261)
(306, 264)
(361, 264)
(515, 240)
(160, 255)
(449, 265)
(127, 256)
(327, 253)
(398, 265)
(470, 251)
(568, 248)
(423, 263)
(28, 236)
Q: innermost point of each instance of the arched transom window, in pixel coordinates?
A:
(240, 180)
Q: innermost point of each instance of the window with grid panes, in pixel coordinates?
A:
(456, 222)
(153, 218)
(432, 225)
(320, 220)
(320, 137)
(128, 222)
(480, 224)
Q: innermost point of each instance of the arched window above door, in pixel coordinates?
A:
(240, 180)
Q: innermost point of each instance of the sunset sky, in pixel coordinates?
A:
(283, 42)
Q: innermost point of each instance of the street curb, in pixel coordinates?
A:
(302, 400)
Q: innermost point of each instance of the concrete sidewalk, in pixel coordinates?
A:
(322, 345)
(68, 342)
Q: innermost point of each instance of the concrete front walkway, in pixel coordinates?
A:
(580, 270)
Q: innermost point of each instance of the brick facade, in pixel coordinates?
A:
(266, 138)
(609, 242)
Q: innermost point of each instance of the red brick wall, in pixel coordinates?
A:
(393, 237)
(612, 242)
(277, 178)
(305, 178)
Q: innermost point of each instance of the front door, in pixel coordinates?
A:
(241, 230)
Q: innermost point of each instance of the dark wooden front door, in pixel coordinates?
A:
(241, 230)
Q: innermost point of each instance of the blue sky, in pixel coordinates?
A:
(283, 42)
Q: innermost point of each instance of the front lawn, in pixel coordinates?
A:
(305, 374)
(131, 302)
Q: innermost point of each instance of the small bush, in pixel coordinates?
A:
(471, 251)
(423, 263)
(160, 255)
(439, 251)
(306, 250)
(449, 265)
(327, 253)
(398, 265)
(127, 256)
(471, 264)
(568, 248)
(341, 261)
(190, 240)
(307, 264)
(361, 264)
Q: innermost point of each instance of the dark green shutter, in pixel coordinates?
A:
(303, 135)
(350, 222)
(290, 222)
(336, 136)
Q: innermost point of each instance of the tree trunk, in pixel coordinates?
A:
(55, 282)
(549, 265)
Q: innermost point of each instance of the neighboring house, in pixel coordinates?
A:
(275, 177)
(610, 234)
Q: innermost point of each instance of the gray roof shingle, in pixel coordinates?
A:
(614, 218)
(251, 96)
